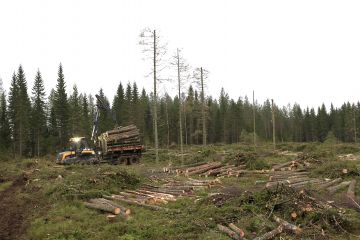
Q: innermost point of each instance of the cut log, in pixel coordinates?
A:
(151, 198)
(204, 169)
(288, 226)
(123, 211)
(228, 232)
(271, 234)
(111, 217)
(122, 129)
(190, 169)
(330, 183)
(280, 166)
(274, 184)
(239, 231)
(350, 195)
(128, 201)
(288, 176)
(183, 168)
(305, 183)
(165, 196)
(351, 189)
(338, 187)
(102, 207)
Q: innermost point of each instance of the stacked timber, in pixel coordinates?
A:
(192, 184)
(215, 169)
(121, 136)
(291, 166)
(300, 179)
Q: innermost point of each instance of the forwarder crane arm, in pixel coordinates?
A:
(100, 105)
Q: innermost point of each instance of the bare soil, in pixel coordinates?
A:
(14, 210)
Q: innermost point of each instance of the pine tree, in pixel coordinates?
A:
(38, 116)
(61, 108)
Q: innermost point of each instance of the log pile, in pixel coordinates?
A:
(291, 166)
(121, 136)
(215, 169)
(300, 180)
(150, 196)
(237, 233)
(191, 184)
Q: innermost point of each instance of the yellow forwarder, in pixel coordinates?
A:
(119, 145)
(79, 152)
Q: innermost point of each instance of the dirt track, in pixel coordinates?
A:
(14, 211)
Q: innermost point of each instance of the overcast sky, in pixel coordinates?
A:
(293, 51)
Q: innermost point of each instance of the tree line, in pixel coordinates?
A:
(34, 124)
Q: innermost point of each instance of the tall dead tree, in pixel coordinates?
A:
(201, 74)
(273, 122)
(182, 76)
(155, 50)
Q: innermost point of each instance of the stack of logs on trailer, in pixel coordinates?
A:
(121, 143)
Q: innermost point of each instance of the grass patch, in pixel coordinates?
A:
(5, 185)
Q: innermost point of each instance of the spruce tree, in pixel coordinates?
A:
(75, 112)
(61, 109)
(105, 120)
(135, 105)
(13, 109)
(86, 118)
(323, 123)
(118, 105)
(53, 133)
(38, 114)
(128, 112)
(23, 111)
(4, 124)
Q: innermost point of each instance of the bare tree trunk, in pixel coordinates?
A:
(273, 122)
(180, 109)
(155, 105)
(167, 124)
(203, 108)
(254, 125)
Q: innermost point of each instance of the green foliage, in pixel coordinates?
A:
(334, 169)
(38, 115)
(5, 139)
(61, 109)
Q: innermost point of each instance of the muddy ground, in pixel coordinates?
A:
(14, 210)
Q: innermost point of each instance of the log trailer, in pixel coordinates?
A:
(119, 145)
